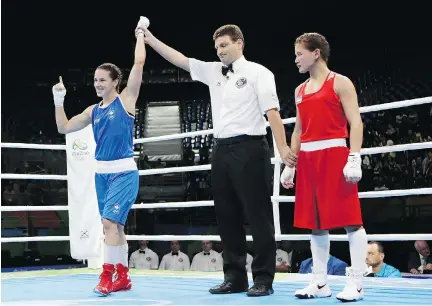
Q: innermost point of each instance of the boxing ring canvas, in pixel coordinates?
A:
(74, 287)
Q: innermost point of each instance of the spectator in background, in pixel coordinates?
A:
(335, 266)
(375, 261)
(427, 163)
(16, 195)
(390, 131)
(159, 164)
(7, 196)
(366, 163)
(421, 261)
(144, 162)
(283, 260)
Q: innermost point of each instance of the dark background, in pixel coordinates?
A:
(42, 39)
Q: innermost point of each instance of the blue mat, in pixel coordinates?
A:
(153, 288)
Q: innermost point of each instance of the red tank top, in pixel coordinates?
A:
(321, 113)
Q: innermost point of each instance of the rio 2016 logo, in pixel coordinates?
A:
(79, 148)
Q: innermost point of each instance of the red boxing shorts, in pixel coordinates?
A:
(323, 199)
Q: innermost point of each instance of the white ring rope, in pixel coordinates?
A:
(276, 199)
(385, 149)
(384, 106)
(18, 145)
(374, 237)
(281, 199)
(364, 109)
(17, 176)
(377, 150)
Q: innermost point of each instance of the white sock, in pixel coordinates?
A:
(320, 248)
(358, 251)
(110, 254)
(123, 254)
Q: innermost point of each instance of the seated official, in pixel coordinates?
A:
(175, 260)
(375, 262)
(207, 260)
(335, 266)
(420, 262)
(144, 258)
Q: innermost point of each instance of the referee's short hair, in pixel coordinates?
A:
(232, 30)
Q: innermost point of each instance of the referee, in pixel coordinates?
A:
(241, 93)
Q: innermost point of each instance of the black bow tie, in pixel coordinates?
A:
(142, 252)
(225, 69)
(206, 253)
(174, 253)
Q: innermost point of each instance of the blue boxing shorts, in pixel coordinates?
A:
(116, 193)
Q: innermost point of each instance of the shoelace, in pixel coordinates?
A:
(352, 273)
(224, 283)
(121, 277)
(258, 287)
(105, 279)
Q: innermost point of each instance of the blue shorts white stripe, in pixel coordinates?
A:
(116, 193)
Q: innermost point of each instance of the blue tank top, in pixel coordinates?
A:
(113, 131)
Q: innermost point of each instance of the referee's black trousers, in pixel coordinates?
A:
(241, 182)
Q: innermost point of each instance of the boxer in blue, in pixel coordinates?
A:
(116, 178)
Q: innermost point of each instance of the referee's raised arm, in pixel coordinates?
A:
(171, 55)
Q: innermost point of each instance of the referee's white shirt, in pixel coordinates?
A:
(178, 262)
(239, 100)
(211, 262)
(148, 260)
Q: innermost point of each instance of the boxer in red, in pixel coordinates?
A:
(327, 171)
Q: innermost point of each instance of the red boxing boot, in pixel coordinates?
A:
(123, 282)
(105, 284)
